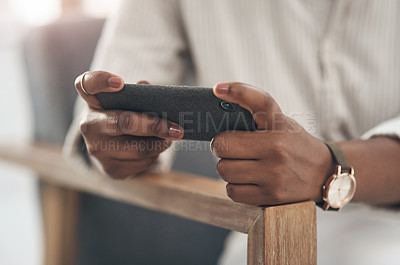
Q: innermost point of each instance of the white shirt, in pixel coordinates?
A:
(332, 65)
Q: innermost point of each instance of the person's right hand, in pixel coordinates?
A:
(125, 143)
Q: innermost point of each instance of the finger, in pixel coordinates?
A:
(124, 169)
(90, 83)
(126, 147)
(239, 171)
(249, 194)
(238, 145)
(141, 148)
(263, 107)
(116, 123)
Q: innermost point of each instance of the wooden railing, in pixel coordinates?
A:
(284, 234)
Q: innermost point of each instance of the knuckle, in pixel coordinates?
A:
(83, 127)
(100, 75)
(127, 122)
(273, 109)
(92, 150)
(237, 88)
(86, 128)
(111, 120)
(276, 192)
(110, 171)
(280, 151)
(156, 126)
(221, 167)
(218, 143)
(276, 197)
(89, 123)
(95, 81)
(267, 99)
(230, 191)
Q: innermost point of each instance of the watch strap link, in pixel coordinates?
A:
(338, 155)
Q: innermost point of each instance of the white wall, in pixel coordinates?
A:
(21, 239)
(20, 223)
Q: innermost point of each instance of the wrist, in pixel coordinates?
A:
(326, 167)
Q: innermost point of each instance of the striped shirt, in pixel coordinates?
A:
(332, 65)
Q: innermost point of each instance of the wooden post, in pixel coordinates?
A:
(284, 235)
(60, 214)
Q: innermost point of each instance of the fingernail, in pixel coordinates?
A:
(222, 88)
(175, 131)
(115, 81)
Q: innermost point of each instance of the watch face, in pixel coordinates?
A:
(341, 190)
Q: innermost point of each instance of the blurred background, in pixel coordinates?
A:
(27, 32)
(44, 45)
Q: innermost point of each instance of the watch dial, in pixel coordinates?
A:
(341, 190)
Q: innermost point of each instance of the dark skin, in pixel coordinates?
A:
(279, 163)
(125, 143)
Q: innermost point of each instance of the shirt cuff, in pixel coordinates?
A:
(389, 128)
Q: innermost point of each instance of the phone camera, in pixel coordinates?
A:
(228, 106)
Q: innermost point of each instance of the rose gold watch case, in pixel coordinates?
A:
(338, 173)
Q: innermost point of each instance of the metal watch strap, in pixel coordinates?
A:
(338, 156)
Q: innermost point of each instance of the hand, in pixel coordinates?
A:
(125, 143)
(278, 163)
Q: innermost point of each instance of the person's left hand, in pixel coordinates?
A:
(278, 163)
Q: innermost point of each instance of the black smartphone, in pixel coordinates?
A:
(196, 109)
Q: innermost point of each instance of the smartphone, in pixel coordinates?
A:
(196, 109)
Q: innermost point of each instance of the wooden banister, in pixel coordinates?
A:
(277, 235)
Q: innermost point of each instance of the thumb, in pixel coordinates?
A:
(266, 112)
(89, 84)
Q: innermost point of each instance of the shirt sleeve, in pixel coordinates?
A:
(389, 128)
(143, 40)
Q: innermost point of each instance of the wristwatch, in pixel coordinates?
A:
(339, 188)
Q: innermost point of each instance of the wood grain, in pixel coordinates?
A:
(284, 235)
(60, 216)
(256, 242)
(185, 195)
(52, 200)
